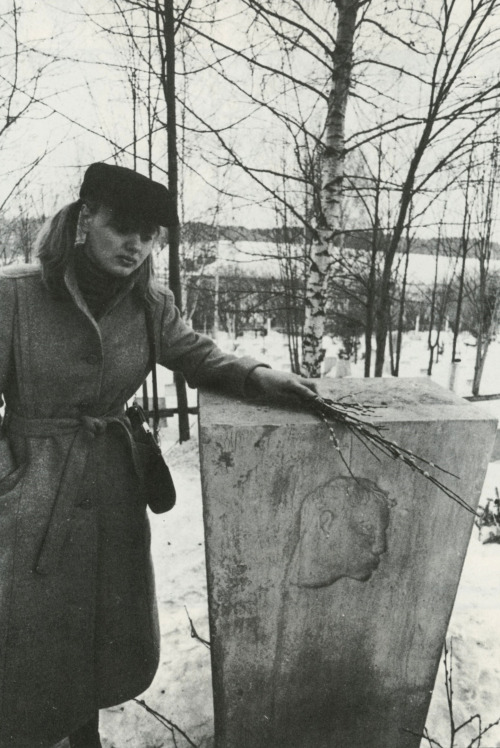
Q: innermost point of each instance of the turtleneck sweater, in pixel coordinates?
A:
(97, 287)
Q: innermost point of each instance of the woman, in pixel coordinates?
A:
(78, 620)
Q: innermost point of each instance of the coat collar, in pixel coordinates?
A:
(71, 282)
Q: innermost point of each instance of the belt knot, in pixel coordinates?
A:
(94, 426)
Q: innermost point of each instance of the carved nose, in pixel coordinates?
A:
(379, 545)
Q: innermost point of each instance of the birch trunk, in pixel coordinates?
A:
(322, 250)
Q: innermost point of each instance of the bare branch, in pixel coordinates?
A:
(256, 62)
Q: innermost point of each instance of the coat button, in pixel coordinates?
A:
(83, 406)
(85, 504)
(92, 358)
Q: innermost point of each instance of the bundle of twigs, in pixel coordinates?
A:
(353, 416)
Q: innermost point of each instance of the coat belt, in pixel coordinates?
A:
(84, 429)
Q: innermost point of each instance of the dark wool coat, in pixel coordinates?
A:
(78, 619)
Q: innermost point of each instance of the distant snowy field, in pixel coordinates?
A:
(182, 688)
(261, 259)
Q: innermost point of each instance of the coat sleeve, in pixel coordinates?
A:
(7, 309)
(196, 355)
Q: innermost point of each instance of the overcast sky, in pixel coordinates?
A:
(85, 111)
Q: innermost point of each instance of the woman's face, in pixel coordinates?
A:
(117, 244)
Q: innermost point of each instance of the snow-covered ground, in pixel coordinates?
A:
(182, 688)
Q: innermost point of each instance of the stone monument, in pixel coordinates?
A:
(331, 583)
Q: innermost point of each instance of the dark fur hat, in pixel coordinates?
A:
(130, 193)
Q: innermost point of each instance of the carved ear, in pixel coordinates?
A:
(326, 518)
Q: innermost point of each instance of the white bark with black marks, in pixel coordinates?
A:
(322, 251)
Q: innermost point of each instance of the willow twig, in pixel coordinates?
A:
(353, 417)
(166, 722)
(194, 633)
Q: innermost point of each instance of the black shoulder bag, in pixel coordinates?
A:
(156, 479)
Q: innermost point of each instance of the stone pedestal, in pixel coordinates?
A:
(330, 594)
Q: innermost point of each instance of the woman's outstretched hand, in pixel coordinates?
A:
(280, 385)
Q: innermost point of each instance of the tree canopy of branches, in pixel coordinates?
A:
(342, 117)
(23, 68)
(421, 82)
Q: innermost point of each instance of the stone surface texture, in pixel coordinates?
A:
(331, 583)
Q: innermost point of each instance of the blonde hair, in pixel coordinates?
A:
(55, 243)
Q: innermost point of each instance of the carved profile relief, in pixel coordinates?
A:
(343, 526)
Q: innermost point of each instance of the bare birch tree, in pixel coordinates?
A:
(322, 252)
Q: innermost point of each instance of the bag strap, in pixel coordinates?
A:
(152, 360)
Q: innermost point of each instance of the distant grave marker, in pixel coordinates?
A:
(329, 591)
